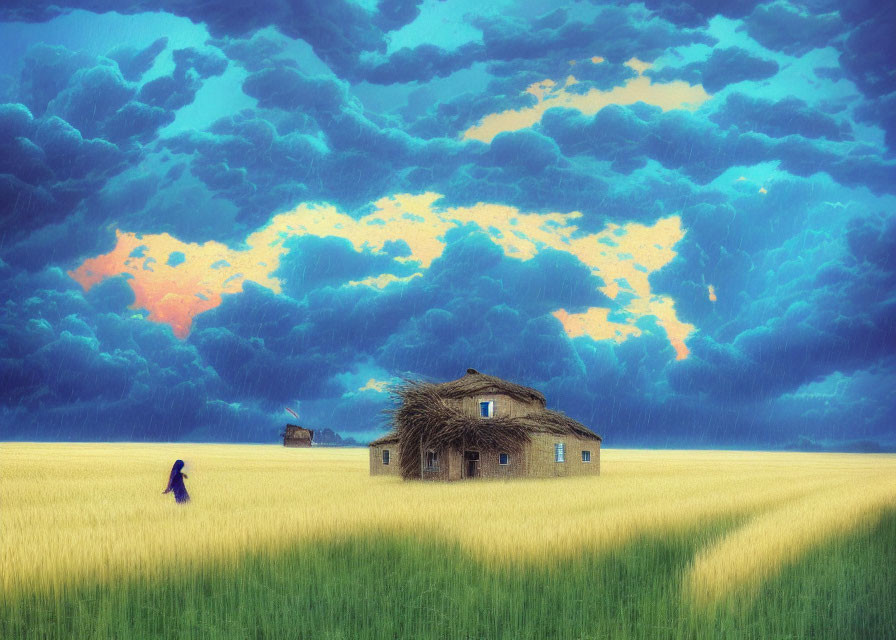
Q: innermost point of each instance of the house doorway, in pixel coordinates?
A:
(471, 464)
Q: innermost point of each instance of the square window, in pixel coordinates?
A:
(503, 458)
(487, 409)
(385, 456)
(586, 456)
(559, 452)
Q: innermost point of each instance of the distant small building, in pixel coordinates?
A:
(296, 436)
(384, 456)
(481, 426)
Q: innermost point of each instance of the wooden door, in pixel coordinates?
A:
(471, 464)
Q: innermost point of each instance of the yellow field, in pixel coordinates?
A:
(96, 511)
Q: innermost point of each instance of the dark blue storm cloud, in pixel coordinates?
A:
(689, 143)
(792, 29)
(618, 34)
(696, 13)
(724, 67)
(783, 179)
(87, 368)
(134, 62)
(790, 116)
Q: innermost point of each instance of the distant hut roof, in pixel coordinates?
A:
(424, 419)
(294, 428)
(295, 432)
(478, 383)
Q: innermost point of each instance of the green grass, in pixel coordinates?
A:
(383, 588)
(846, 589)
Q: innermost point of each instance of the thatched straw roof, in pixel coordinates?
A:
(295, 432)
(389, 438)
(476, 383)
(423, 419)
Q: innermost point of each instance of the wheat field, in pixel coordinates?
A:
(94, 514)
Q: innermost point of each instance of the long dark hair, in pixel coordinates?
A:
(178, 465)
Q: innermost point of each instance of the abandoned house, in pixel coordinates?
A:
(296, 436)
(480, 426)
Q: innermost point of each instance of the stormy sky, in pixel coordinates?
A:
(677, 224)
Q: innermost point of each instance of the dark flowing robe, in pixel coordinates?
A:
(176, 483)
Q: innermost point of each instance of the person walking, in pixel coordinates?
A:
(176, 483)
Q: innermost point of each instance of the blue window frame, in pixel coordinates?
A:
(487, 409)
(559, 452)
(503, 458)
(385, 456)
(586, 456)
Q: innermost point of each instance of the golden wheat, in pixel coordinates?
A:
(72, 512)
(739, 562)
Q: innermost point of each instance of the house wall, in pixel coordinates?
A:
(377, 468)
(455, 464)
(440, 472)
(505, 406)
(490, 464)
(535, 460)
(541, 456)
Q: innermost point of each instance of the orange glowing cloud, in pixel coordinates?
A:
(666, 95)
(594, 324)
(623, 256)
(382, 280)
(380, 386)
(175, 294)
